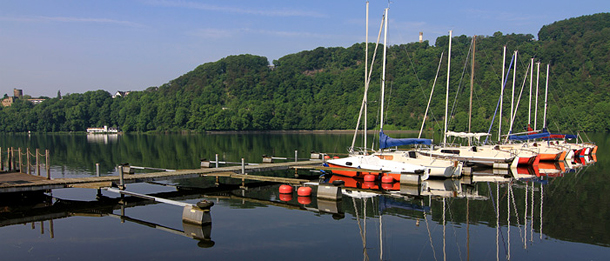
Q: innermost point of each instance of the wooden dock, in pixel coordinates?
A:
(20, 182)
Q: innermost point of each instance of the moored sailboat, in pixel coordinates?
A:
(393, 163)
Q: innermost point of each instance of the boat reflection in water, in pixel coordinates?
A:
(102, 138)
(516, 196)
(489, 209)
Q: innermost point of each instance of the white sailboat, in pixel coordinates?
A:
(394, 163)
(547, 150)
(492, 156)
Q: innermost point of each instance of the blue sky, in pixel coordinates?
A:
(77, 46)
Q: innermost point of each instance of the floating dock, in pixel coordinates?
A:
(21, 182)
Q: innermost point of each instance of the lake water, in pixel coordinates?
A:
(559, 216)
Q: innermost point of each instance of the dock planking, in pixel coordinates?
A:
(19, 182)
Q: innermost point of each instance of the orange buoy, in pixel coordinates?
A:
(286, 189)
(304, 191)
(369, 177)
(326, 157)
(304, 200)
(387, 186)
(285, 197)
(368, 185)
(387, 179)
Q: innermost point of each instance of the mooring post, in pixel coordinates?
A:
(20, 163)
(37, 162)
(216, 160)
(121, 180)
(13, 162)
(47, 165)
(51, 228)
(296, 152)
(97, 169)
(122, 209)
(9, 166)
(27, 159)
(243, 166)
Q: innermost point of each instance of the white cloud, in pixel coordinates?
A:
(237, 10)
(214, 33)
(36, 19)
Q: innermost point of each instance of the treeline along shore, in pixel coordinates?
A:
(322, 89)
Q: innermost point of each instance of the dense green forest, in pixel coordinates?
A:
(322, 88)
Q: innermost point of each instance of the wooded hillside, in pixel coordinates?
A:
(323, 88)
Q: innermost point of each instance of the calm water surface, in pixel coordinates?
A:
(559, 216)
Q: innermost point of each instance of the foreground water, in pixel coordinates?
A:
(562, 215)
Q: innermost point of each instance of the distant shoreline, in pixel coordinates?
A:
(308, 132)
(232, 132)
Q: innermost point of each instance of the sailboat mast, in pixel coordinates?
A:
(474, 45)
(366, 71)
(447, 93)
(529, 110)
(546, 92)
(385, 48)
(501, 93)
(512, 99)
(536, 108)
(430, 97)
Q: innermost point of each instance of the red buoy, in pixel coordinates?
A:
(335, 157)
(304, 200)
(387, 186)
(326, 157)
(304, 191)
(285, 197)
(368, 185)
(369, 177)
(286, 189)
(387, 179)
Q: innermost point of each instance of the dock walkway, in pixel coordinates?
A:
(20, 182)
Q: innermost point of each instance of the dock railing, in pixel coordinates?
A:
(12, 160)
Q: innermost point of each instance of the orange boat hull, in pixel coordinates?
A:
(348, 172)
(529, 160)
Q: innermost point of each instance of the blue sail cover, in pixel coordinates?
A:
(561, 136)
(386, 141)
(541, 135)
(545, 135)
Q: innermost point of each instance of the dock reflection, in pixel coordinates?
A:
(504, 200)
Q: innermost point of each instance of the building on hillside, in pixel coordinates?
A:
(8, 101)
(17, 93)
(120, 94)
(36, 100)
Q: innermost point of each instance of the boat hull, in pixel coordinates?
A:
(358, 166)
(534, 160)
